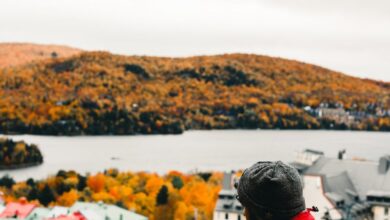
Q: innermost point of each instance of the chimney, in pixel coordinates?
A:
(341, 154)
(227, 181)
(384, 164)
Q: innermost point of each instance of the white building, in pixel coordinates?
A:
(228, 207)
(380, 202)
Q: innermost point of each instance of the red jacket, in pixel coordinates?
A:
(305, 215)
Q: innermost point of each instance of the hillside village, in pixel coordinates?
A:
(342, 118)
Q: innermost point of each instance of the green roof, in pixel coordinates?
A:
(108, 212)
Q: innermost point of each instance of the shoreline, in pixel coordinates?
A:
(190, 130)
(19, 166)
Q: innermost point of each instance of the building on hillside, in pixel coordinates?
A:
(228, 207)
(338, 115)
(97, 211)
(348, 189)
(17, 210)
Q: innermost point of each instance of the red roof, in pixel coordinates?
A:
(17, 209)
(74, 216)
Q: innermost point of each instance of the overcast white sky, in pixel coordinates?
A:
(352, 36)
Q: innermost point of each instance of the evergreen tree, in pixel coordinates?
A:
(177, 182)
(46, 196)
(162, 196)
(7, 181)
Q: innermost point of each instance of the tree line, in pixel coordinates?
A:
(171, 196)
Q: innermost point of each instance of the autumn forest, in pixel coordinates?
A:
(97, 93)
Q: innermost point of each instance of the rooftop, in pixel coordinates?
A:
(19, 209)
(108, 211)
(357, 176)
(38, 213)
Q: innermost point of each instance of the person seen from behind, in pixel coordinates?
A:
(272, 191)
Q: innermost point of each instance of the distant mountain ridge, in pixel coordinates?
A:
(102, 93)
(13, 54)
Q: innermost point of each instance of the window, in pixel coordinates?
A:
(386, 211)
(226, 215)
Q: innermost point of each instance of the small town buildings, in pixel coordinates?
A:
(345, 188)
(79, 211)
(228, 207)
(338, 115)
(104, 211)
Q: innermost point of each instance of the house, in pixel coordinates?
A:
(348, 189)
(97, 211)
(19, 210)
(79, 211)
(228, 207)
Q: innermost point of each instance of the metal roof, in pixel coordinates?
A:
(363, 175)
(38, 214)
(107, 211)
(58, 211)
(22, 210)
(341, 185)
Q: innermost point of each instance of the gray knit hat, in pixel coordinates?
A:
(272, 187)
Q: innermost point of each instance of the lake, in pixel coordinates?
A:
(221, 150)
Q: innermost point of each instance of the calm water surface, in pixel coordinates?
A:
(194, 150)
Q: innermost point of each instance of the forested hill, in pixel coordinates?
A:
(12, 54)
(101, 93)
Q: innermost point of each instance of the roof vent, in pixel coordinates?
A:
(341, 154)
(352, 194)
(384, 164)
(227, 180)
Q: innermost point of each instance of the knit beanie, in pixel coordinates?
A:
(272, 187)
